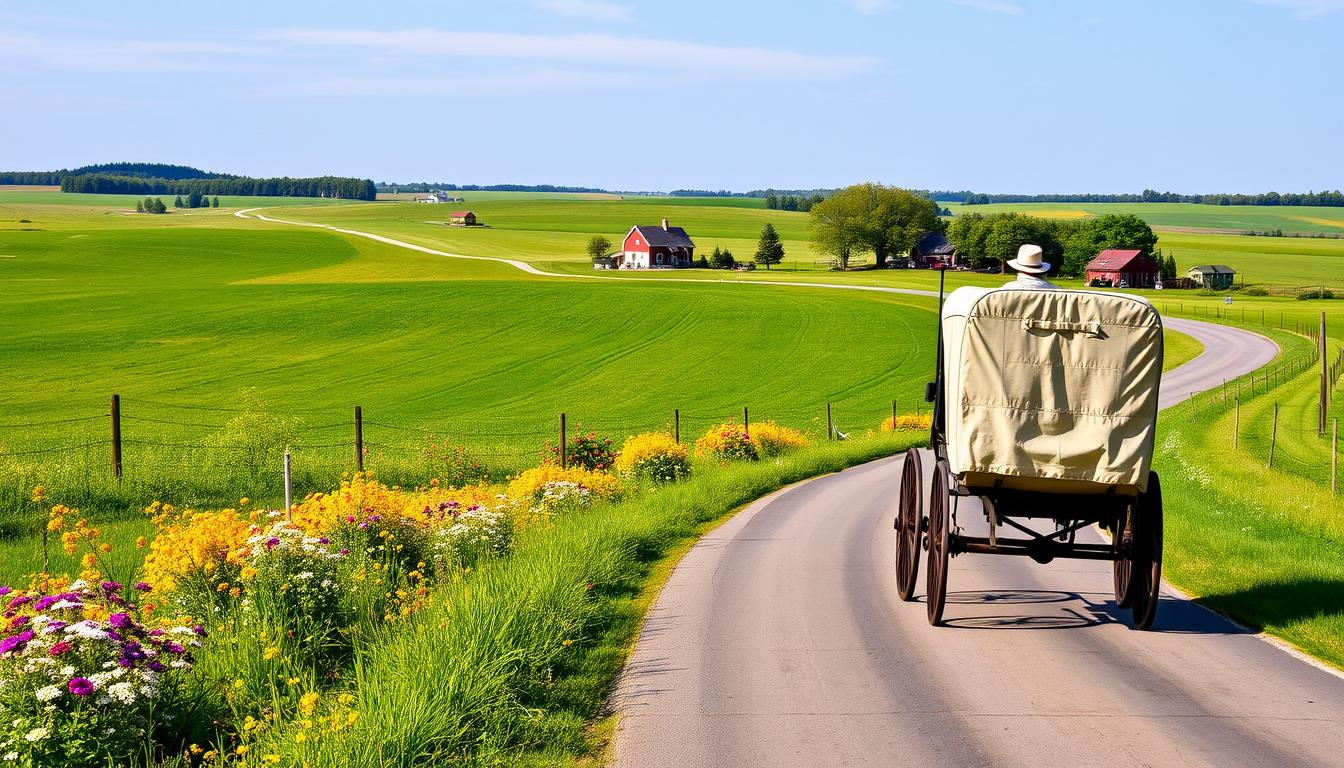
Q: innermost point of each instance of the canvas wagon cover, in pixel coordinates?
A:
(1051, 390)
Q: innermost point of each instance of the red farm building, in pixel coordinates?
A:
(1122, 268)
(655, 247)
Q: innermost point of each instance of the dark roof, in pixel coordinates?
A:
(933, 244)
(1213, 269)
(1121, 260)
(672, 237)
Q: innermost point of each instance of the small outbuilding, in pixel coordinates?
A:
(463, 218)
(931, 249)
(1216, 276)
(1122, 268)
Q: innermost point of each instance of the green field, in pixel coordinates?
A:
(1187, 215)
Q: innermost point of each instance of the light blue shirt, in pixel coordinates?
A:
(1028, 282)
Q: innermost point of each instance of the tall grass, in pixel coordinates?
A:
(517, 659)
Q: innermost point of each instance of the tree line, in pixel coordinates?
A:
(1333, 199)
(421, 186)
(986, 241)
(323, 186)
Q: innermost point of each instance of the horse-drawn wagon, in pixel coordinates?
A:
(1045, 404)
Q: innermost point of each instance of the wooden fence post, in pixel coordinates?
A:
(289, 498)
(564, 457)
(746, 421)
(359, 439)
(116, 437)
(1334, 460)
(830, 426)
(1325, 389)
(893, 415)
(1273, 435)
(676, 425)
(1236, 422)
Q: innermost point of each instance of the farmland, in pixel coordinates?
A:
(227, 337)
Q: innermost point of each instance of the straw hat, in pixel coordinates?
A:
(1029, 260)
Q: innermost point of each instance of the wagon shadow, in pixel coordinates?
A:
(1080, 610)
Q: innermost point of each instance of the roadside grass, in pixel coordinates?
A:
(511, 665)
(1178, 349)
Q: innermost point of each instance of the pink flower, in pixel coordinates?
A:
(80, 686)
(60, 648)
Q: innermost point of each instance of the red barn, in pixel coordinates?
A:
(1116, 264)
(655, 247)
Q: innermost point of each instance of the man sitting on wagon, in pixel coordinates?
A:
(1029, 268)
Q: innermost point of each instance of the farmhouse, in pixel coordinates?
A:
(438, 197)
(1212, 276)
(463, 218)
(1114, 265)
(932, 249)
(657, 247)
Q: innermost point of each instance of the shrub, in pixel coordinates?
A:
(726, 441)
(450, 464)
(530, 488)
(908, 422)
(196, 559)
(82, 680)
(1256, 290)
(770, 439)
(653, 456)
(583, 449)
(1315, 293)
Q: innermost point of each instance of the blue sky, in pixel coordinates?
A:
(991, 95)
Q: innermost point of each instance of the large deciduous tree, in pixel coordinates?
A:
(872, 217)
(769, 250)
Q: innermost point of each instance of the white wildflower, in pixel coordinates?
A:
(37, 734)
(48, 693)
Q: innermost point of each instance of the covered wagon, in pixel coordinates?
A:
(1045, 406)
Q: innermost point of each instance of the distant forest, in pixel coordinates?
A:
(1333, 199)
(384, 186)
(162, 179)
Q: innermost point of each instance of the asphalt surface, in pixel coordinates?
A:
(780, 641)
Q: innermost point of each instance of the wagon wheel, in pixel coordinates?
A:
(909, 524)
(1146, 581)
(1123, 567)
(940, 520)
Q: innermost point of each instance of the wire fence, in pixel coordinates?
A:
(140, 450)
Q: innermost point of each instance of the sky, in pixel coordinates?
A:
(1007, 96)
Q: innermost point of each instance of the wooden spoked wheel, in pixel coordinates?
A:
(940, 523)
(1122, 539)
(1146, 578)
(909, 524)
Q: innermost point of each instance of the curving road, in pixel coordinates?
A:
(779, 641)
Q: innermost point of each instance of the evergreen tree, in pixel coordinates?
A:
(139, 206)
(178, 202)
(159, 207)
(771, 201)
(769, 250)
(215, 202)
(194, 199)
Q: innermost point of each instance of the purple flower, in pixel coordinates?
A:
(349, 518)
(198, 630)
(5, 591)
(61, 648)
(55, 626)
(80, 686)
(345, 551)
(119, 620)
(16, 642)
(111, 586)
(324, 541)
(141, 586)
(272, 542)
(44, 603)
(155, 632)
(175, 648)
(18, 621)
(19, 602)
(156, 666)
(125, 663)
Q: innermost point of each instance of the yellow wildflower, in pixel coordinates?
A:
(308, 702)
(270, 653)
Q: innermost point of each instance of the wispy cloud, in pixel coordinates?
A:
(993, 6)
(549, 80)
(612, 50)
(1307, 9)
(116, 55)
(587, 9)
(870, 7)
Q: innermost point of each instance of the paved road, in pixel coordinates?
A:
(780, 641)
